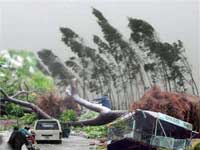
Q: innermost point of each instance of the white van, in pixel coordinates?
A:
(48, 130)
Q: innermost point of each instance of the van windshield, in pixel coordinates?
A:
(47, 125)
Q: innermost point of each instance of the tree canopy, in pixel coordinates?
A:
(126, 68)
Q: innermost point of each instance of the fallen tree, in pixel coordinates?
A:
(26, 104)
(179, 105)
(105, 116)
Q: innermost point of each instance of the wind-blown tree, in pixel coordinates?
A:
(168, 59)
(19, 72)
(99, 71)
(114, 64)
(57, 69)
(125, 69)
(124, 54)
(85, 53)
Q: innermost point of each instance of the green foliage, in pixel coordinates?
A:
(95, 131)
(197, 147)
(19, 70)
(29, 118)
(141, 30)
(14, 110)
(29, 61)
(68, 115)
(92, 131)
(7, 78)
(88, 115)
(41, 82)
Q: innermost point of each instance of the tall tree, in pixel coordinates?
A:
(161, 56)
(122, 68)
(59, 72)
(121, 50)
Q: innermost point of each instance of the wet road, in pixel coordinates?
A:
(71, 143)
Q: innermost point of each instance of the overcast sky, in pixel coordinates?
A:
(34, 24)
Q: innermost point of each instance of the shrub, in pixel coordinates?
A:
(14, 110)
(92, 131)
(29, 118)
(88, 115)
(68, 115)
(197, 147)
(41, 82)
(95, 131)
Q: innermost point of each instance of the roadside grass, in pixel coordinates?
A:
(196, 144)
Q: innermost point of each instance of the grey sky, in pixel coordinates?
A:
(34, 24)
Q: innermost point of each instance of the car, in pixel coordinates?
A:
(48, 130)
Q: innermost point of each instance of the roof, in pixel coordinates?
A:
(156, 115)
(169, 119)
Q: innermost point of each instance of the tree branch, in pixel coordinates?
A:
(83, 102)
(4, 93)
(101, 119)
(22, 93)
(26, 110)
(26, 104)
(105, 116)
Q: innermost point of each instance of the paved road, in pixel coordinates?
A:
(4, 136)
(71, 143)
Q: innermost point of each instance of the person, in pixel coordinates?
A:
(104, 100)
(25, 131)
(12, 137)
(17, 139)
(27, 134)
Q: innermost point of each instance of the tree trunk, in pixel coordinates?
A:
(101, 119)
(26, 104)
(105, 116)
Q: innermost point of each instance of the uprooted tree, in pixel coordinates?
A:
(182, 106)
(105, 114)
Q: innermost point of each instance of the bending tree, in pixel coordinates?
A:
(126, 68)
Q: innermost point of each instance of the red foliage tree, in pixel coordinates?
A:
(54, 105)
(50, 103)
